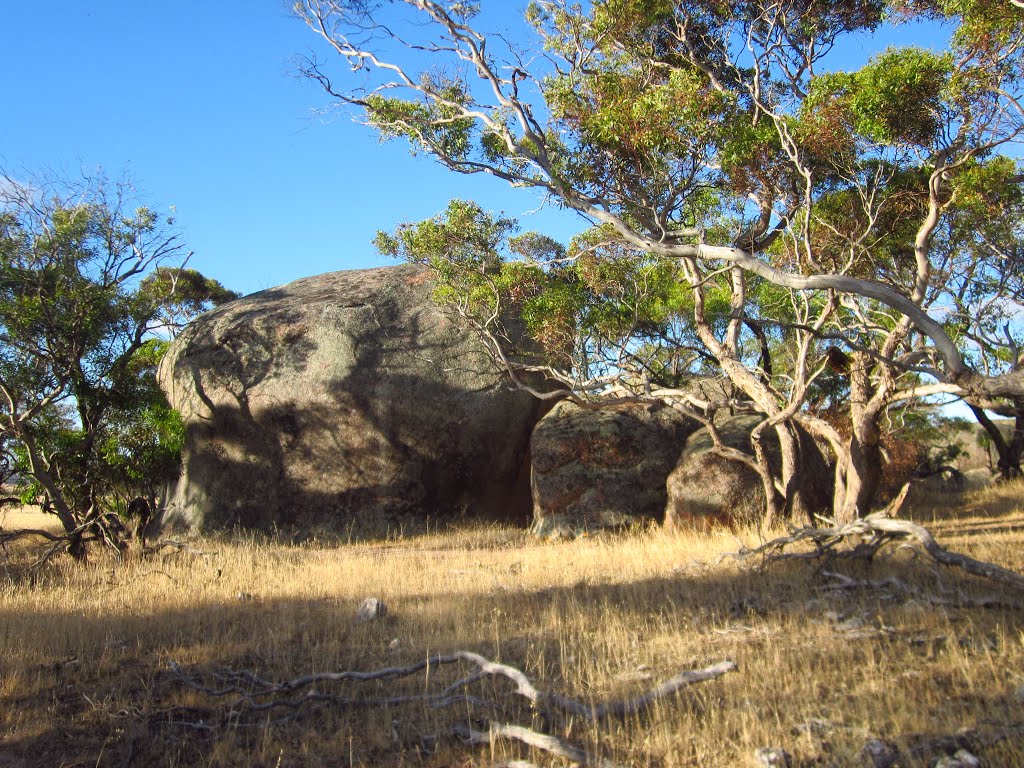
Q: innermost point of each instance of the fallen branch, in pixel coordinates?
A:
(139, 577)
(254, 694)
(842, 581)
(891, 586)
(251, 689)
(826, 543)
(546, 702)
(871, 533)
(532, 738)
(944, 556)
(177, 546)
(56, 542)
(25, 533)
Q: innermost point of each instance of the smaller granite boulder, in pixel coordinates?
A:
(603, 468)
(706, 488)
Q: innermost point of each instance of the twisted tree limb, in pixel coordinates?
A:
(255, 694)
(871, 533)
(944, 556)
(57, 542)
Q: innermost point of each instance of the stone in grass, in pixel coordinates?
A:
(773, 757)
(962, 759)
(369, 609)
(879, 753)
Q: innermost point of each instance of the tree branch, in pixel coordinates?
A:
(870, 534)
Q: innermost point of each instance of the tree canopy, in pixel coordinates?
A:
(825, 217)
(85, 285)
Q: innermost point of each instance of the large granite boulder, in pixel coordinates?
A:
(707, 489)
(346, 402)
(603, 468)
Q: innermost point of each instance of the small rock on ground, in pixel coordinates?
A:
(962, 759)
(369, 609)
(773, 757)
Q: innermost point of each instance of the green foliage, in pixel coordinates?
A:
(877, 210)
(895, 99)
(179, 294)
(594, 305)
(981, 244)
(939, 439)
(634, 20)
(82, 288)
(625, 112)
(984, 28)
(432, 124)
(751, 156)
(463, 248)
(140, 440)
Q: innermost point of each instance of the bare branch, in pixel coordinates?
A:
(531, 738)
(252, 689)
(868, 535)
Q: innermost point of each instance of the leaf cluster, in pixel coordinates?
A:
(895, 99)
(585, 309)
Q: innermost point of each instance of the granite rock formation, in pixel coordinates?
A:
(706, 488)
(346, 402)
(603, 468)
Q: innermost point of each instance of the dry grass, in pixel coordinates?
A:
(85, 650)
(17, 518)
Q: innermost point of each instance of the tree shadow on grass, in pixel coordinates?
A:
(99, 690)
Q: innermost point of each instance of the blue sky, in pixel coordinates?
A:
(198, 102)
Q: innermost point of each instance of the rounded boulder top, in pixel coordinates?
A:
(346, 402)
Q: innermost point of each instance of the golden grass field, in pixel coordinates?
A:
(86, 650)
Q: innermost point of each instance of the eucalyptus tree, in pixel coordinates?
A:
(82, 291)
(724, 136)
(981, 274)
(595, 322)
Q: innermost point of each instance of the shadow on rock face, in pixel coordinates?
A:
(603, 468)
(345, 403)
(706, 489)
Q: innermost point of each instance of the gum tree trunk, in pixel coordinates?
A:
(863, 455)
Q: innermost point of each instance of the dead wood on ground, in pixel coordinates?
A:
(252, 695)
(864, 538)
